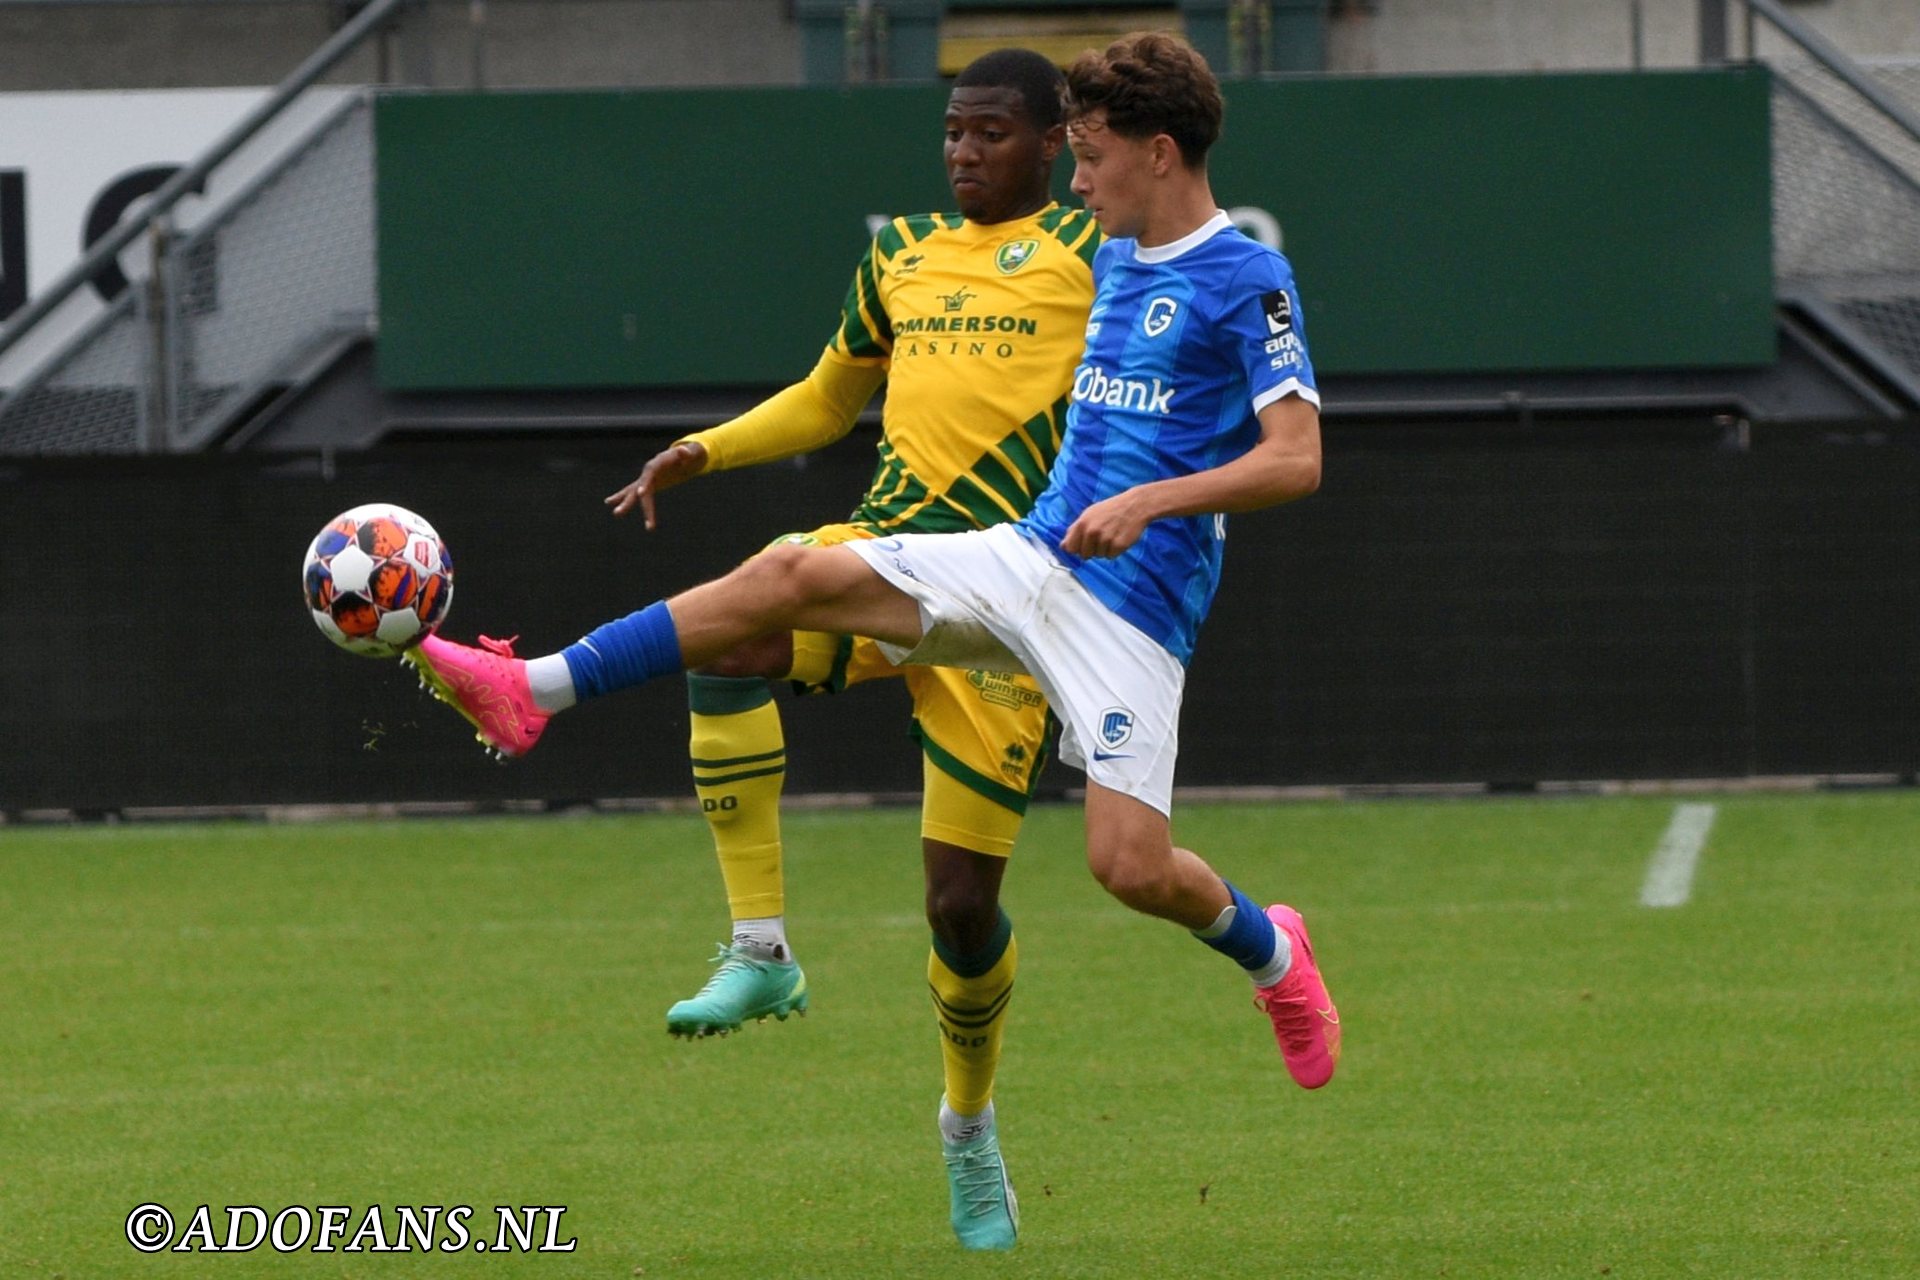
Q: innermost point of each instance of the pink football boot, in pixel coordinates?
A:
(487, 685)
(1304, 1020)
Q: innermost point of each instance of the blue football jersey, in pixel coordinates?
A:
(1186, 342)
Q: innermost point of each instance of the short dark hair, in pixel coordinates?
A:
(1031, 75)
(1150, 83)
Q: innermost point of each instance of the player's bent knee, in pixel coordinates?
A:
(1134, 876)
(835, 575)
(795, 575)
(775, 581)
(957, 911)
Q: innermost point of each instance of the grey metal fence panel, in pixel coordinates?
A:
(1846, 217)
(282, 274)
(247, 299)
(91, 398)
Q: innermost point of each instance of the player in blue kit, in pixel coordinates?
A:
(1195, 398)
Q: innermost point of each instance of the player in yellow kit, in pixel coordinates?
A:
(975, 321)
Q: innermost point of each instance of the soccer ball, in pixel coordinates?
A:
(377, 579)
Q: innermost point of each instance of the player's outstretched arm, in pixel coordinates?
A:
(1282, 466)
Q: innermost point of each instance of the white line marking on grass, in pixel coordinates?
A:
(1670, 874)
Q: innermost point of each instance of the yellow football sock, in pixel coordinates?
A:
(970, 996)
(739, 766)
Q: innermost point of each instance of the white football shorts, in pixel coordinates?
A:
(997, 600)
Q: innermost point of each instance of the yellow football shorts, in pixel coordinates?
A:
(984, 734)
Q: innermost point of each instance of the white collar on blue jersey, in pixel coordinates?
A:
(1192, 240)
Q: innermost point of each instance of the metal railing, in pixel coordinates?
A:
(155, 370)
(1835, 61)
(1846, 194)
(343, 42)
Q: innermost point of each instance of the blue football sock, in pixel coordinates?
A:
(1243, 934)
(621, 654)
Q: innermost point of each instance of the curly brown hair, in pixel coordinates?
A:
(1150, 82)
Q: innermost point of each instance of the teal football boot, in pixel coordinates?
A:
(986, 1214)
(744, 986)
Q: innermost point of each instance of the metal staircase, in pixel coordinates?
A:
(226, 309)
(1846, 192)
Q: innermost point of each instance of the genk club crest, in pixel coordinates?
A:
(1116, 726)
(1015, 254)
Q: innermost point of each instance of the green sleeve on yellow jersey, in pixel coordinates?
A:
(865, 331)
(1076, 229)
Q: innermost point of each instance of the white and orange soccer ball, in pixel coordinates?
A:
(377, 579)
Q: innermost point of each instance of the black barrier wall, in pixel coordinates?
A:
(1452, 606)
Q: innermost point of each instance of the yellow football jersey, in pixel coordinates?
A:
(979, 328)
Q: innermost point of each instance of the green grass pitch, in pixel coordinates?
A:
(1542, 1077)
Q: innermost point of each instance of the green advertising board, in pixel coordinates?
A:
(1436, 224)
